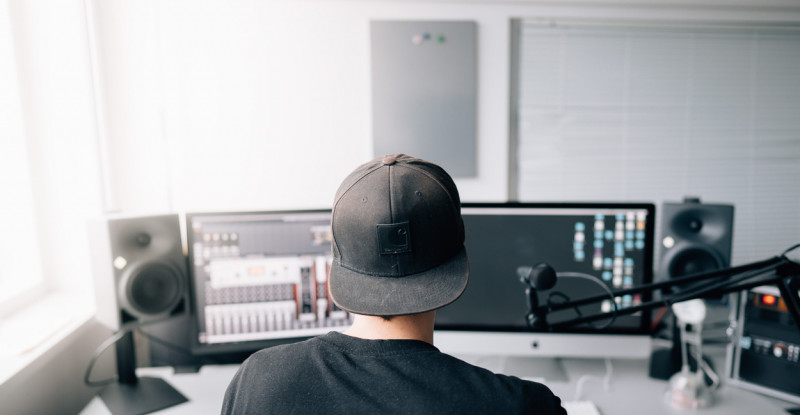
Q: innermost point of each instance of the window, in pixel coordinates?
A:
(20, 266)
(656, 112)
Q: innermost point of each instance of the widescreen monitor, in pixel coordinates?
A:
(594, 248)
(259, 279)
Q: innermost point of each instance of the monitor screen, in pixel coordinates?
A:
(593, 247)
(259, 279)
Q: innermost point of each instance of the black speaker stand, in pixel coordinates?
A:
(133, 395)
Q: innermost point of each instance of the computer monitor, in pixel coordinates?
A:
(259, 279)
(590, 245)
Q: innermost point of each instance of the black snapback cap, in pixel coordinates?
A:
(398, 239)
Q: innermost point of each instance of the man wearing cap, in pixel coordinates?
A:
(398, 255)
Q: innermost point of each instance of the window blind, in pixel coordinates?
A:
(656, 112)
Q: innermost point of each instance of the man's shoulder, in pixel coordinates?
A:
(300, 347)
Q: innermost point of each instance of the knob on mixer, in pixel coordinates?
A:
(779, 350)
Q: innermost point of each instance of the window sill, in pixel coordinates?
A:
(29, 333)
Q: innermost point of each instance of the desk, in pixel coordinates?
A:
(632, 392)
(204, 389)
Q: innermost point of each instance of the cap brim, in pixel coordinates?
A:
(393, 296)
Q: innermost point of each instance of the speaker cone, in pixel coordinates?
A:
(689, 261)
(152, 289)
(693, 261)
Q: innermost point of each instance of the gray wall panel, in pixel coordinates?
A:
(424, 91)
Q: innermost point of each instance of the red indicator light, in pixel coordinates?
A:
(768, 299)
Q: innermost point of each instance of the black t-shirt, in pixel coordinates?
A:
(340, 374)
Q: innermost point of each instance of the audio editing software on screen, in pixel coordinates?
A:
(261, 276)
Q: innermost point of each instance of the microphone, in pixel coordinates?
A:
(540, 277)
(543, 277)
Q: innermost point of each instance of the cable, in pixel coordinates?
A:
(565, 298)
(609, 372)
(660, 315)
(579, 386)
(715, 379)
(175, 347)
(99, 351)
(596, 280)
(165, 343)
(790, 249)
(585, 378)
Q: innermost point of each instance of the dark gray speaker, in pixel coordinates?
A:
(695, 238)
(139, 269)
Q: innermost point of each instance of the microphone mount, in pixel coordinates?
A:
(540, 277)
(779, 271)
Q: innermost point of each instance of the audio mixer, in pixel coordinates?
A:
(260, 276)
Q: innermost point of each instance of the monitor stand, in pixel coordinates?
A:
(539, 369)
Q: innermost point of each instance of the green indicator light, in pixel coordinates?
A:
(440, 38)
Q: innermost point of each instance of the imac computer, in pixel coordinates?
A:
(595, 248)
(259, 279)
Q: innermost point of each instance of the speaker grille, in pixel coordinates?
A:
(693, 261)
(154, 288)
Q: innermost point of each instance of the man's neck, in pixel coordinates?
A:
(410, 327)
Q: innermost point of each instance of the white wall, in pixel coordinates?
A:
(251, 105)
(266, 105)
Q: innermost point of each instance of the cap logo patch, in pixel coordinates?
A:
(393, 238)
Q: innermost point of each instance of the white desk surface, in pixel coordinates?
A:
(631, 391)
(204, 389)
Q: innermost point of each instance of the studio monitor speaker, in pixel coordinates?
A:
(139, 269)
(695, 238)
